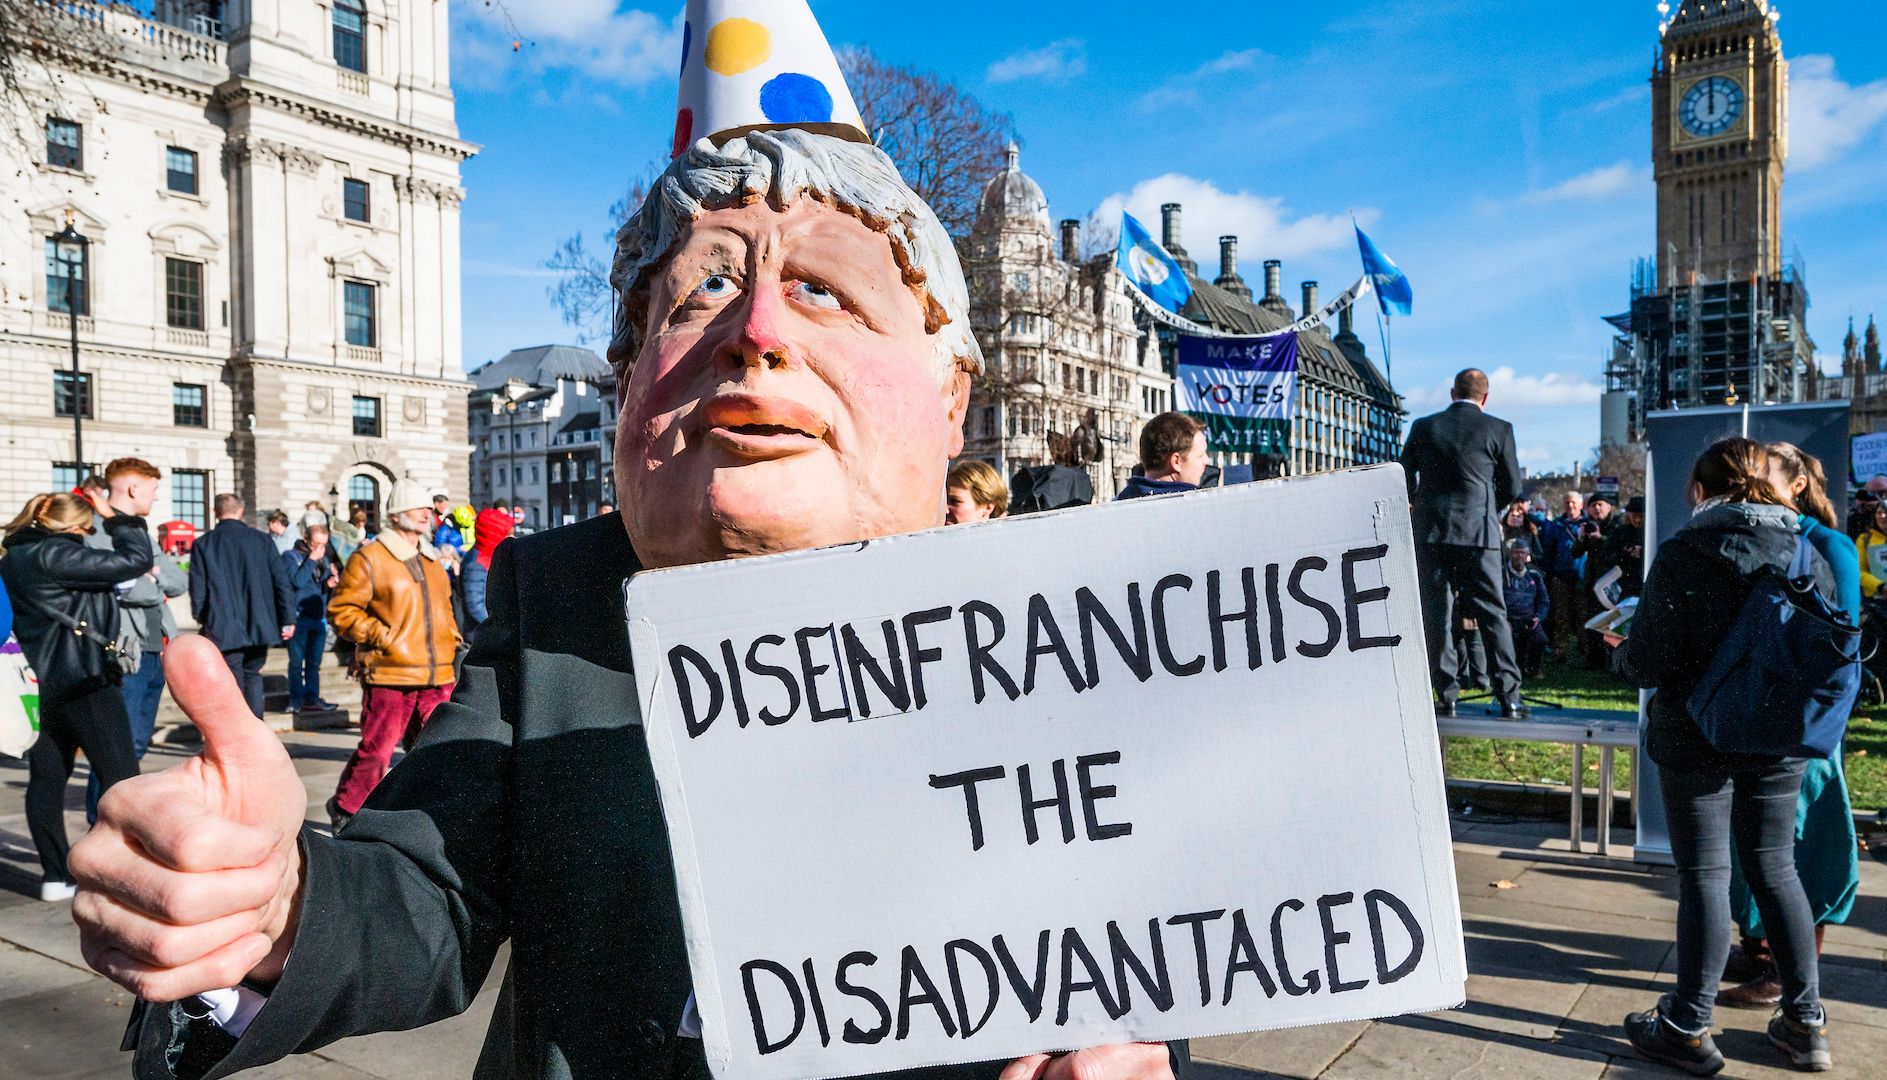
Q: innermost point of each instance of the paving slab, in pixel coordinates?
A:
(1422, 1048)
(1294, 1052)
(1525, 1003)
(66, 1032)
(24, 973)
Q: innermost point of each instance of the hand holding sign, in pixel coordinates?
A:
(191, 879)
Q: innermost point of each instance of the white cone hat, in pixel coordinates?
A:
(754, 65)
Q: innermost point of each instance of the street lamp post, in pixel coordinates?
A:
(73, 246)
(511, 458)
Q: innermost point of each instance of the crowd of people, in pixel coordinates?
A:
(86, 591)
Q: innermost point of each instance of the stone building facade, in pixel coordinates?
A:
(543, 432)
(1063, 355)
(269, 301)
(1069, 358)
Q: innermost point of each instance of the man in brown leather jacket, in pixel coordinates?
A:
(395, 604)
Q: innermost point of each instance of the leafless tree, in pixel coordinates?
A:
(946, 143)
(582, 291)
(1625, 461)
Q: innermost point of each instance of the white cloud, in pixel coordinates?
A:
(597, 39)
(1828, 117)
(1599, 183)
(1265, 227)
(1508, 389)
(1055, 62)
(1184, 89)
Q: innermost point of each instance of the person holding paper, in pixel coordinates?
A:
(795, 358)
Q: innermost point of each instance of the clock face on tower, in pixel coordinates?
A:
(1711, 106)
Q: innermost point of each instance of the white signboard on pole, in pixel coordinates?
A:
(1158, 769)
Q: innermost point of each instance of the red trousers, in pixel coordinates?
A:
(388, 714)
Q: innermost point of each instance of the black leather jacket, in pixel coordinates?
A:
(58, 571)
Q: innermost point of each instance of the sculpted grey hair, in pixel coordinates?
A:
(782, 166)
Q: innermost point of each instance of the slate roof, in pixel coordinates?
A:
(542, 365)
(1341, 363)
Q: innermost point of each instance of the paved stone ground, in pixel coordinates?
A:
(1555, 962)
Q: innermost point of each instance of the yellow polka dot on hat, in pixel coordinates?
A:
(757, 65)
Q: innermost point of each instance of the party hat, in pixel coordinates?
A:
(756, 65)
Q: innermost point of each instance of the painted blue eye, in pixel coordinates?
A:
(715, 287)
(815, 295)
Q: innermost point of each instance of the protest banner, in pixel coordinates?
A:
(1163, 768)
(1244, 390)
(1869, 457)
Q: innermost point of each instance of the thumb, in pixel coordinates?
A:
(209, 696)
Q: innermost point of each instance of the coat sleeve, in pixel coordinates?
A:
(1412, 454)
(1869, 583)
(403, 913)
(199, 579)
(284, 592)
(77, 566)
(170, 580)
(347, 609)
(1507, 478)
(1660, 630)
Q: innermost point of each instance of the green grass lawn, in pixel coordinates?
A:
(1576, 688)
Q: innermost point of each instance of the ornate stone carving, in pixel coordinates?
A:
(413, 409)
(320, 400)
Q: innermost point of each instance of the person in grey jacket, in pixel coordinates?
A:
(142, 604)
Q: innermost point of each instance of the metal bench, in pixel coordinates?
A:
(1578, 728)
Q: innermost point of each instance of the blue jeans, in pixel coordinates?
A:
(142, 691)
(304, 660)
(1753, 807)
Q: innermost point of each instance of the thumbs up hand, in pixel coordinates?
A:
(191, 880)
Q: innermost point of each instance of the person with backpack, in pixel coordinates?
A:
(1825, 856)
(66, 609)
(1741, 537)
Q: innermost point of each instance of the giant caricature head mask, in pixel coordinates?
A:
(798, 328)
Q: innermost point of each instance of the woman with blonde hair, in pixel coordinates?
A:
(1825, 855)
(975, 492)
(66, 619)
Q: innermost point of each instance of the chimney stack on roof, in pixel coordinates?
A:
(1169, 238)
(1310, 297)
(1273, 299)
(1071, 240)
(1228, 278)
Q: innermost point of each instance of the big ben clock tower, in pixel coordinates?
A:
(1717, 314)
(1719, 136)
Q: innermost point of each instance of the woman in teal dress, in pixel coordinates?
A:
(1825, 850)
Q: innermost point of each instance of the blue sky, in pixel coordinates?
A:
(1500, 155)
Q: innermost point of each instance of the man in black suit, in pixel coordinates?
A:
(760, 411)
(1461, 465)
(241, 595)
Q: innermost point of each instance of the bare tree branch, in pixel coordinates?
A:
(582, 291)
(946, 143)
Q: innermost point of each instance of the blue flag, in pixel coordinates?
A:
(1392, 285)
(1149, 267)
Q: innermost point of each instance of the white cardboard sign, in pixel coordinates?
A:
(1157, 769)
